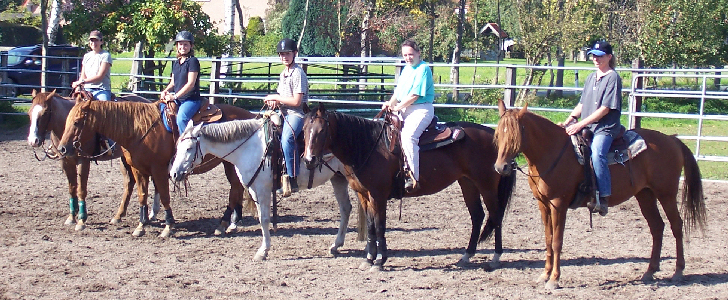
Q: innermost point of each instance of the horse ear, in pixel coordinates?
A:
(321, 108)
(34, 93)
(53, 93)
(84, 104)
(523, 110)
(501, 107)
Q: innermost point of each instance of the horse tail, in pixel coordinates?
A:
(693, 204)
(505, 191)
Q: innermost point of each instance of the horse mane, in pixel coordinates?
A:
(358, 136)
(230, 131)
(508, 133)
(117, 116)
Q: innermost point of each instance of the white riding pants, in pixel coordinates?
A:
(416, 119)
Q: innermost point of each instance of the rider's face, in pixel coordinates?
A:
(410, 55)
(183, 47)
(95, 44)
(287, 58)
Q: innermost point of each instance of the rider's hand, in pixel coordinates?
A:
(163, 96)
(271, 101)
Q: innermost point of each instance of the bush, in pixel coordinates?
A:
(263, 45)
(19, 35)
(11, 121)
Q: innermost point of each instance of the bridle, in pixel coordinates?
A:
(318, 160)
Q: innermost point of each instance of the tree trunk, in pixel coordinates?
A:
(303, 29)
(365, 38)
(455, 71)
(53, 21)
(561, 60)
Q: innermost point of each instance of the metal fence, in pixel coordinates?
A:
(357, 83)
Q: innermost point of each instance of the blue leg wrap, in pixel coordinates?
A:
(82, 215)
(73, 203)
(144, 214)
(168, 219)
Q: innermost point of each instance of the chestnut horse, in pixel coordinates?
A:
(148, 147)
(652, 176)
(48, 113)
(372, 168)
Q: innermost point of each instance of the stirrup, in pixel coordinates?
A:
(410, 184)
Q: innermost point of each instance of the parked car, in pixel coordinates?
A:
(24, 65)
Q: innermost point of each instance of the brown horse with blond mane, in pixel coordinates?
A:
(48, 113)
(148, 147)
(652, 177)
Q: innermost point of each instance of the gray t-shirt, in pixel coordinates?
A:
(294, 83)
(91, 65)
(607, 91)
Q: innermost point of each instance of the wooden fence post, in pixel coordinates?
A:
(637, 103)
(4, 74)
(65, 77)
(509, 94)
(214, 76)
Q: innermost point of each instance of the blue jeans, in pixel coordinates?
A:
(291, 129)
(186, 110)
(99, 94)
(599, 149)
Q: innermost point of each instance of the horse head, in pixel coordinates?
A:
(316, 136)
(508, 137)
(188, 153)
(40, 115)
(73, 134)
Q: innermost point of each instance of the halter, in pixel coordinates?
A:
(52, 151)
(319, 160)
(77, 144)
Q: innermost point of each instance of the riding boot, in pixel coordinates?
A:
(411, 185)
(294, 184)
(287, 186)
(603, 206)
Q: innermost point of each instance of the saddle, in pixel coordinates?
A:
(435, 135)
(208, 113)
(625, 146)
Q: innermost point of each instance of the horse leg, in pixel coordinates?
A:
(558, 222)
(234, 198)
(340, 185)
(371, 249)
(161, 186)
(380, 225)
(129, 182)
(262, 196)
(669, 206)
(68, 165)
(648, 205)
(142, 193)
(548, 235)
(83, 166)
(471, 195)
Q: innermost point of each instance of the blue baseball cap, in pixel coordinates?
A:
(601, 48)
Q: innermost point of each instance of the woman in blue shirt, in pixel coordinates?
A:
(185, 83)
(413, 97)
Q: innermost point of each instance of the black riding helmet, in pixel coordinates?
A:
(184, 36)
(286, 45)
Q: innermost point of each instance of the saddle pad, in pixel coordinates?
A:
(635, 145)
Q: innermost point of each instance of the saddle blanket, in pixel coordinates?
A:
(635, 145)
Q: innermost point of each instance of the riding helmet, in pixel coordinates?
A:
(184, 36)
(286, 45)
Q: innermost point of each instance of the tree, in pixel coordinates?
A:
(321, 36)
(54, 21)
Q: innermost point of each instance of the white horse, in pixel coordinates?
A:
(242, 142)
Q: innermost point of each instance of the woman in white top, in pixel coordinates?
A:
(96, 69)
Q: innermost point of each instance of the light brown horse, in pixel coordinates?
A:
(48, 113)
(148, 147)
(652, 176)
(372, 169)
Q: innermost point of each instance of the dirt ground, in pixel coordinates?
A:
(42, 258)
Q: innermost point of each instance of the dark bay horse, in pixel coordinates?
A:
(48, 113)
(371, 170)
(148, 147)
(653, 176)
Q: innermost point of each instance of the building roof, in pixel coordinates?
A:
(493, 28)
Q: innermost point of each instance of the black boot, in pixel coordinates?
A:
(294, 184)
(603, 206)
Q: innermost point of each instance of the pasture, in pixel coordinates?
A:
(44, 259)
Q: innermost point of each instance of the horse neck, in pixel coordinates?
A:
(348, 151)
(242, 153)
(114, 129)
(543, 141)
(60, 108)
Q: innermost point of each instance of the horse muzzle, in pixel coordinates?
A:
(504, 168)
(178, 176)
(312, 163)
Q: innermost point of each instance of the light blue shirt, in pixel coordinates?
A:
(416, 80)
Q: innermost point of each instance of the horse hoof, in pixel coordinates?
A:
(115, 221)
(376, 268)
(232, 228)
(260, 256)
(334, 250)
(542, 279)
(80, 226)
(677, 277)
(219, 230)
(647, 277)
(464, 260)
(139, 231)
(365, 265)
(70, 220)
(552, 285)
(166, 232)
